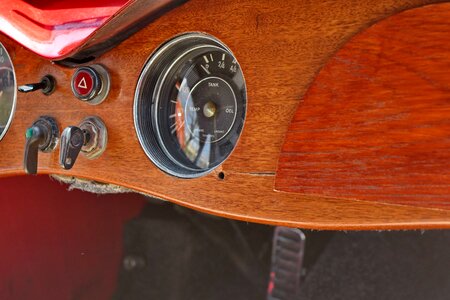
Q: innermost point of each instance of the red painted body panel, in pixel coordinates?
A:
(52, 28)
(57, 244)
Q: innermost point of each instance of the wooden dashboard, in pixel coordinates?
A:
(329, 141)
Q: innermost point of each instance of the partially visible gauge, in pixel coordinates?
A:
(190, 105)
(8, 91)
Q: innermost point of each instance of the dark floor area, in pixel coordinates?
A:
(175, 253)
(181, 254)
(381, 265)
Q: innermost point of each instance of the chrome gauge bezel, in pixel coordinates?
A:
(13, 108)
(151, 81)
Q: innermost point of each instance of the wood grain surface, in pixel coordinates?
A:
(281, 46)
(375, 124)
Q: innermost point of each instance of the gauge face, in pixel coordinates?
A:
(8, 90)
(209, 110)
(195, 91)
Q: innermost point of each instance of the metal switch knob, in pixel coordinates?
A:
(42, 136)
(72, 140)
(89, 138)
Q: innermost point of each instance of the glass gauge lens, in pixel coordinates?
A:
(8, 90)
(209, 110)
(195, 91)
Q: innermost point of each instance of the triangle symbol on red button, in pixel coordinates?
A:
(82, 84)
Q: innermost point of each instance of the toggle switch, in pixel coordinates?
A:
(42, 136)
(89, 138)
(46, 85)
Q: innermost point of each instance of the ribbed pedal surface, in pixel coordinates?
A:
(287, 257)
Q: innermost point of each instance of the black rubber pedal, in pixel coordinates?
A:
(287, 258)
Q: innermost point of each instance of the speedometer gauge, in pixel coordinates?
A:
(8, 90)
(190, 105)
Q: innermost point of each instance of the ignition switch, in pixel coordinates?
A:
(89, 138)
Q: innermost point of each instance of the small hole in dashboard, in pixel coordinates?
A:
(221, 175)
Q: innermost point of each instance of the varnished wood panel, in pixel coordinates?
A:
(280, 46)
(375, 124)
